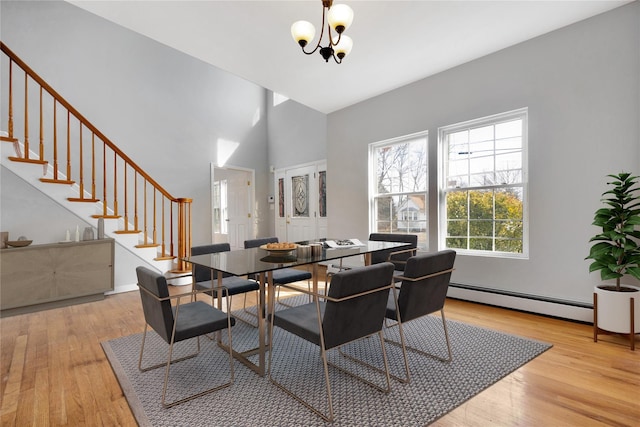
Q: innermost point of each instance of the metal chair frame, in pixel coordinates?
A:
(398, 323)
(323, 352)
(191, 295)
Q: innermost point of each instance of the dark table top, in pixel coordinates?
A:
(256, 260)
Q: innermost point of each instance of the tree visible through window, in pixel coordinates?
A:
(398, 186)
(483, 184)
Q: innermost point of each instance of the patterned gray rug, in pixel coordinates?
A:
(481, 357)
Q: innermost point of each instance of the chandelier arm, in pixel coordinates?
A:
(331, 42)
(324, 12)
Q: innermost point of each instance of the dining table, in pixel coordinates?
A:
(261, 263)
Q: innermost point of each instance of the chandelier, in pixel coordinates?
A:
(338, 18)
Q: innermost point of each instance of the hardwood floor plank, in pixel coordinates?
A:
(13, 383)
(57, 353)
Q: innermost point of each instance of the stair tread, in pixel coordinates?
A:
(81, 199)
(23, 160)
(57, 181)
(127, 232)
(148, 245)
(7, 139)
(105, 216)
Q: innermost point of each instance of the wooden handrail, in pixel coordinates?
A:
(83, 119)
(180, 207)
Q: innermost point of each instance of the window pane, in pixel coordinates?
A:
(457, 243)
(481, 204)
(401, 214)
(509, 204)
(457, 205)
(487, 159)
(509, 161)
(484, 133)
(402, 167)
(482, 228)
(509, 129)
(399, 183)
(481, 244)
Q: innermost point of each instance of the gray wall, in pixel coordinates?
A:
(582, 87)
(297, 135)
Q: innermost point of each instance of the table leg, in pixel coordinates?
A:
(314, 278)
(264, 282)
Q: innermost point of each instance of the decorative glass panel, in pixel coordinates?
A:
(281, 197)
(322, 196)
(300, 195)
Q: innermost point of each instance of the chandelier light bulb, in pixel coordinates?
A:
(303, 32)
(343, 47)
(340, 17)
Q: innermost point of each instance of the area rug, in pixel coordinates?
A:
(481, 357)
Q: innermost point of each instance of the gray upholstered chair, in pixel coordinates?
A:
(398, 257)
(282, 276)
(233, 285)
(423, 290)
(353, 309)
(178, 323)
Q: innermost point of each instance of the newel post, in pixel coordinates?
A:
(184, 231)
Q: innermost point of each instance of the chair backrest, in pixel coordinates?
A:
(254, 243)
(360, 316)
(203, 274)
(421, 297)
(157, 314)
(383, 256)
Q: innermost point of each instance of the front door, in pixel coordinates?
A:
(301, 203)
(232, 200)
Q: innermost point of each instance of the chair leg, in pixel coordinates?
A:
(196, 395)
(325, 364)
(159, 365)
(244, 308)
(384, 371)
(449, 357)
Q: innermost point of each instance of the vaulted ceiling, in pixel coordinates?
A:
(395, 42)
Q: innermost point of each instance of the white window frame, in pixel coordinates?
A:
(443, 132)
(373, 179)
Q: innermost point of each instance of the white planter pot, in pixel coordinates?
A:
(614, 310)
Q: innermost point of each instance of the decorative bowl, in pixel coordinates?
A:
(279, 252)
(19, 243)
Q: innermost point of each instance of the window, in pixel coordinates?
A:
(483, 185)
(398, 186)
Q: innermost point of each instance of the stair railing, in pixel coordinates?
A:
(104, 175)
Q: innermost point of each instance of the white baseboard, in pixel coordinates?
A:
(524, 303)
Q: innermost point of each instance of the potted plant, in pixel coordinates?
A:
(616, 254)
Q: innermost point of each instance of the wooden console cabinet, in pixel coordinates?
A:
(39, 277)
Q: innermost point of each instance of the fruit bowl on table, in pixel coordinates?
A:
(281, 250)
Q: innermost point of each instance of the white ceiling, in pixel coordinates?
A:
(395, 42)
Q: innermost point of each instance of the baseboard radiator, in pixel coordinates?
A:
(571, 310)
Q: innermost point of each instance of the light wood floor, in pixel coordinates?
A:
(55, 373)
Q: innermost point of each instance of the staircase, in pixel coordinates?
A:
(77, 166)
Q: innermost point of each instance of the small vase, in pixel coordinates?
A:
(100, 228)
(88, 233)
